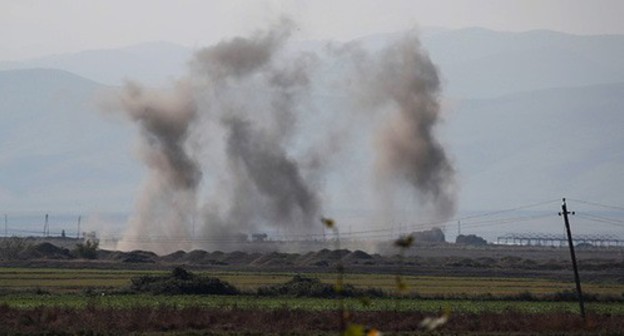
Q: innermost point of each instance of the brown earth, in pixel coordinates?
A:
(96, 320)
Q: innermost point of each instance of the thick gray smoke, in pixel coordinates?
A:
(253, 155)
(168, 199)
(266, 184)
(270, 138)
(406, 82)
(240, 56)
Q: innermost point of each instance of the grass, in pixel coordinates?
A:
(248, 302)
(94, 295)
(75, 280)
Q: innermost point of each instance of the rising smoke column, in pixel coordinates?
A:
(167, 201)
(404, 81)
(266, 184)
(275, 176)
(245, 113)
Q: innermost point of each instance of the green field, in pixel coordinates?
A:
(248, 302)
(76, 280)
(34, 300)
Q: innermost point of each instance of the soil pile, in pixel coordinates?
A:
(45, 251)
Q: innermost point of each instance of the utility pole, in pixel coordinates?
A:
(6, 226)
(78, 230)
(564, 212)
(458, 228)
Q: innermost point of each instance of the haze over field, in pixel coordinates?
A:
(267, 128)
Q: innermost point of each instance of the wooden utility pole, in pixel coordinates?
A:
(564, 212)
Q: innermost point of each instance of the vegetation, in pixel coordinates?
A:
(434, 235)
(292, 304)
(48, 300)
(470, 240)
(77, 280)
(124, 300)
(97, 319)
(301, 286)
(180, 281)
(87, 250)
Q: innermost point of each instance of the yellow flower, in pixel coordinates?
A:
(373, 332)
(329, 223)
(405, 241)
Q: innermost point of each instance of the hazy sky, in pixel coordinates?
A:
(31, 28)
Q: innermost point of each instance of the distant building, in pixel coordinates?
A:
(434, 235)
(259, 237)
(470, 240)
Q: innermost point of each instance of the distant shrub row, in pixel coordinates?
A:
(181, 281)
(301, 286)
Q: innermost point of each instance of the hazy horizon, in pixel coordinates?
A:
(41, 28)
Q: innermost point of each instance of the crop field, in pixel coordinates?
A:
(74, 280)
(35, 300)
(251, 302)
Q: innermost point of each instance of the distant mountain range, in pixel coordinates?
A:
(551, 142)
(56, 149)
(475, 62)
(480, 63)
(155, 63)
(531, 116)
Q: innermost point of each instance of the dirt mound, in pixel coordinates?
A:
(275, 259)
(323, 258)
(196, 257)
(139, 257)
(239, 258)
(174, 257)
(45, 251)
(358, 257)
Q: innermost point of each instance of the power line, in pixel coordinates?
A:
(502, 221)
(532, 205)
(601, 220)
(598, 204)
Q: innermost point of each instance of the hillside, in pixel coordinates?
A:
(156, 63)
(475, 62)
(480, 63)
(56, 150)
(552, 143)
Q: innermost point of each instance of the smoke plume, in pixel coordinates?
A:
(255, 101)
(268, 130)
(168, 198)
(407, 82)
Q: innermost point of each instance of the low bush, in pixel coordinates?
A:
(301, 286)
(181, 281)
(88, 250)
(571, 295)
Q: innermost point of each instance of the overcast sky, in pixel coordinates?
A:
(31, 28)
